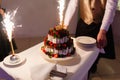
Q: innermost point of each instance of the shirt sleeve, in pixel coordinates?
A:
(110, 10)
(70, 11)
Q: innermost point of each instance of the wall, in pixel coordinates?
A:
(36, 16)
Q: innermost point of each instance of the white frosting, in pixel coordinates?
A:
(50, 38)
(60, 52)
(57, 40)
(55, 51)
(54, 41)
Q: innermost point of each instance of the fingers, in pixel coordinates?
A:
(101, 43)
(101, 39)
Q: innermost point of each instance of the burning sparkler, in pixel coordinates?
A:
(9, 26)
(61, 11)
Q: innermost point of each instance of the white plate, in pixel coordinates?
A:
(7, 62)
(85, 40)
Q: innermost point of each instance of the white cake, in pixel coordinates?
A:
(58, 43)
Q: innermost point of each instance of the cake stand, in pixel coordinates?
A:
(14, 60)
(57, 60)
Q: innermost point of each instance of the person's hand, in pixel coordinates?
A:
(101, 39)
(2, 12)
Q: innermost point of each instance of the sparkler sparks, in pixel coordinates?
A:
(61, 11)
(9, 26)
(8, 23)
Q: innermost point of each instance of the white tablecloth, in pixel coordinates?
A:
(37, 68)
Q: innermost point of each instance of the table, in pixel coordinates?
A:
(37, 68)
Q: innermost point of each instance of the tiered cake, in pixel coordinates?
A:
(58, 43)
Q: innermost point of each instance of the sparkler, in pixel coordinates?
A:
(61, 11)
(9, 26)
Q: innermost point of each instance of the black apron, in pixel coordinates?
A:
(92, 30)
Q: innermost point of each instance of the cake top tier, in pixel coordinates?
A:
(58, 31)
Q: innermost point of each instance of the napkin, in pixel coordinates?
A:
(56, 78)
(41, 72)
(102, 51)
(58, 73)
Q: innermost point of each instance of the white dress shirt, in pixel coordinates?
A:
(108, 15)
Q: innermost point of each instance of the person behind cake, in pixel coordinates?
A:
(95, 19)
